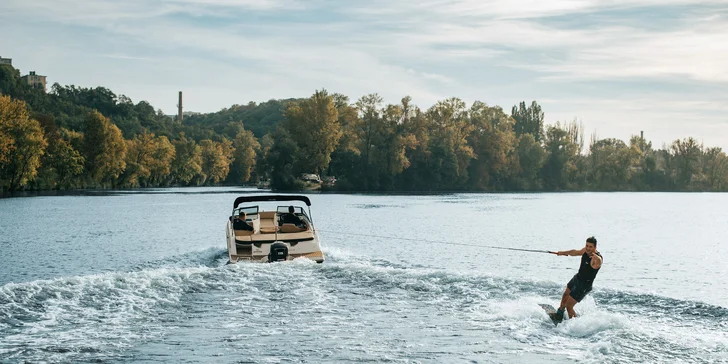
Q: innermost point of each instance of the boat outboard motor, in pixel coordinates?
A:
(278, 252)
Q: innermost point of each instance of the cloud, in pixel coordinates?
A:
(222, 52)
(699, 54)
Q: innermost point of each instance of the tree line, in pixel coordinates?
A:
(74, 137)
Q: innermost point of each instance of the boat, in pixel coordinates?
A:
(285, 232)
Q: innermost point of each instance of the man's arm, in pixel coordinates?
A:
(572, 252)
(596, 261)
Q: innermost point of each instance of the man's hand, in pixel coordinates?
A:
(556, 253)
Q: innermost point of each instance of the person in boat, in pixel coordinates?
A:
(240, 224)
(291, 218)
(581, 284)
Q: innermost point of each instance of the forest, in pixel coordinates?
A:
(91, 138)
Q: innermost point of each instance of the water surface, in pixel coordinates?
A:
(140, 276)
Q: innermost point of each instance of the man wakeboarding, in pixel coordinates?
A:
(581, 283)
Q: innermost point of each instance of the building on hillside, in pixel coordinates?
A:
(8, 61)
(35, 80)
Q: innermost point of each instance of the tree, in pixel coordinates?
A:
(9, 80)
(716, 169)
(390, 155)
(283, 160)
(246, 148)
(62, 164)
(531, 158)
(187, 163)
(528, 120)
(162, 157)
(104, 149)
(687, 155)
(349, 122)
(493, 143)
(262, 166)
(314, 125)
(611, 163)
(345, 159)
(216, 159)
(451, 153)
(418, 128)
(562, 151)
(148, 160)
(22, 144)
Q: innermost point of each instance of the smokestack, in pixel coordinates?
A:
(642, 133)
(179, 108)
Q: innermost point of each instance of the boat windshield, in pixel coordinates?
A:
(296, 210)
(249, 211)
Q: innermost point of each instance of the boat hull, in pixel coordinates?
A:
(257, 247)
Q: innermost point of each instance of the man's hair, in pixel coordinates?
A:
(592, 240)
(290, 209)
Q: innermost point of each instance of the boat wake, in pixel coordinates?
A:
(107, 315)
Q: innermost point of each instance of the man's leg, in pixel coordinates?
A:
(564, 297)
(570, 302)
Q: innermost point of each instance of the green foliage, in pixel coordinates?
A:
(715, 169)
(493, 142)
(687, 159)
(104, 149)
(611, 164)
(216, 159)
(528, 120)
(531, 157)
(186, 168)
(22, 144)
(260, 118)
(62, 165)
(76, 137)
(246, 147)
(451, 154)
(283, 160)
(561, 154)
(313, 124)
(148, 161)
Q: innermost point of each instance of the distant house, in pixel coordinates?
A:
(7, 61)
(35, 80)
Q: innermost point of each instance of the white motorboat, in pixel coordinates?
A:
(284, 232)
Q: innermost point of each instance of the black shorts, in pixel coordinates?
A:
(578, 288)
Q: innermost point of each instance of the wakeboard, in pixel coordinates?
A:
(551, 311)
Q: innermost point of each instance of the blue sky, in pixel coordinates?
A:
(617, 66)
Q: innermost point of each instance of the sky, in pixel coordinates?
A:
(616, 66)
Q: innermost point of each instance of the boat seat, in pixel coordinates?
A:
(303, 235)
(291, 228)
(268, 222)
(263, 238)
(243, 233)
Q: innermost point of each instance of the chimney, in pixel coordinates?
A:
(179, 108)
(642, 134)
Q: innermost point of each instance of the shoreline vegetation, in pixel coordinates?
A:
(90, 138)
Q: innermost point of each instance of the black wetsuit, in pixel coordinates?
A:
(581, 283)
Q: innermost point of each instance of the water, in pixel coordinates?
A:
(141, 277)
